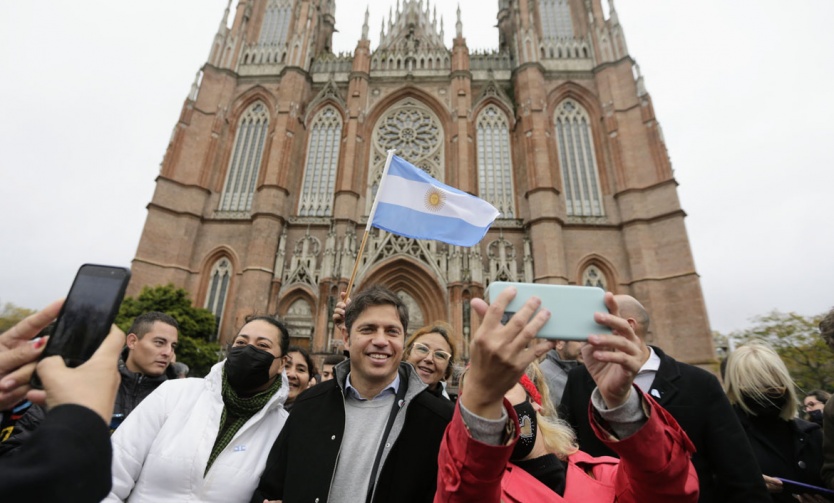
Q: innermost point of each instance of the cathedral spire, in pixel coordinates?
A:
(459, 25)
(195, 86)
(220, 38)
(224, 23)
(612, 13)
(365, 26)
(412, 27)
(641, 85)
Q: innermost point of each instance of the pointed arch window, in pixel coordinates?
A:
(555, 18)
(593, 276)
(322, 161)
(219, 280)
(276, 23)
(495, 180)
(246, 160)
(576, 155)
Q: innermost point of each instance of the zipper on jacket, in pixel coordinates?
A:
(339, 452)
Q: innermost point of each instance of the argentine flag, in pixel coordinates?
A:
(411, 203)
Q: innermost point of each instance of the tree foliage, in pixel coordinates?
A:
(11, 314)
(797, 340)
(197, 325)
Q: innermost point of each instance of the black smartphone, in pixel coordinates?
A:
(88, 312)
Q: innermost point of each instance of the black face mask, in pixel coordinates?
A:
(247, 367)
(527, 439)
(815, 416)
(770, 406)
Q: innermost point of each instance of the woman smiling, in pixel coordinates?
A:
(431, 350)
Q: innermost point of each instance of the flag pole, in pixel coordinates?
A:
(368, 226)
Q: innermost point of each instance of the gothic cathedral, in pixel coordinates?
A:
(267, 182)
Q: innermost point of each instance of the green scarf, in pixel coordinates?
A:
(236, 411)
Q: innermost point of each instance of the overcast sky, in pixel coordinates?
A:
(92, 89)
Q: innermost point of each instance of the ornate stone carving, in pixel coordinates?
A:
(304, 264)
(502, 263)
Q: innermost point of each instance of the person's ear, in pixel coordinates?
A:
(345, 336)
(132, 339)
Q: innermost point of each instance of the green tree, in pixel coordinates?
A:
(10, 314)
(197, 325)
(797, 340)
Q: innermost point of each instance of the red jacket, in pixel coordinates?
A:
(654, 467)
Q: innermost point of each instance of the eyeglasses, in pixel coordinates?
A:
(811, 404)
(423, 350)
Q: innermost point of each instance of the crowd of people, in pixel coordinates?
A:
(607, 420)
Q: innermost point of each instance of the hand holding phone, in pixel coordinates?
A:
(613, 360)
(19, 352)
(93, 384)
(87, 314)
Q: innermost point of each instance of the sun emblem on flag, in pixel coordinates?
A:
(435, 198)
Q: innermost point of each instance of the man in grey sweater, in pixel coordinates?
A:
(556, 365)
(373, 431)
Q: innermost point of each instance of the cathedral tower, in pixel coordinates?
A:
(272, 167)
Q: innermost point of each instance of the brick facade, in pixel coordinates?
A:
(295, 265)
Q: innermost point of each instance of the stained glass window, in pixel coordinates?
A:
(578, 161)
(555, 17)
(276, 22)
(592, 276)
(219, 279)
(246, 160)
(495, 182)
(322, 160)
(415, 133)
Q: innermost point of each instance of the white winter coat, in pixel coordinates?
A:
(161, 450)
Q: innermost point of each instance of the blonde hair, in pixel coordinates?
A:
(752, 370)
(444, 330)
(556, 433)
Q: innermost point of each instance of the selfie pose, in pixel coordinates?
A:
(502, 445)
(207, 439)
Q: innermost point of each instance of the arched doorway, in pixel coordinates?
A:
(416, 285)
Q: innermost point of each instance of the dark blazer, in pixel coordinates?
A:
(802, 464)
(302, 462)
(67, 459)
(724, 460)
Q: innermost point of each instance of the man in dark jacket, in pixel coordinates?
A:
(724, 460)
(373, 432)
(150, 347)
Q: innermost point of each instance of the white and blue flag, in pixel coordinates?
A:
(411, 203)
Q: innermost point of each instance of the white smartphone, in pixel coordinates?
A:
(572, 308)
